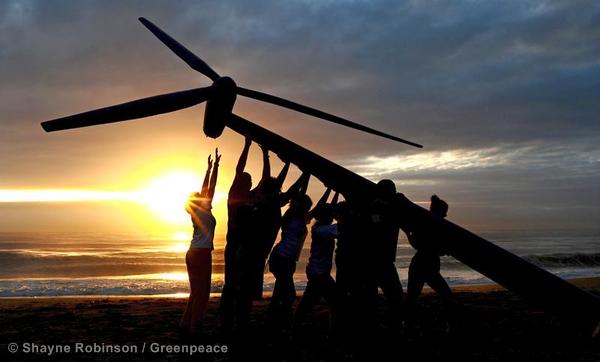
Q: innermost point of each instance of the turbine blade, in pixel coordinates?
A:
(140, 108)
(317, 113)
(182, 52)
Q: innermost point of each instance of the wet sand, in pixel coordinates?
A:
(491, 325)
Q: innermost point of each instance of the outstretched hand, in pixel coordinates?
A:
(217, 156)
(210, 162)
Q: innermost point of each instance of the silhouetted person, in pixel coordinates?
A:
(355, 276)
(238, 228)
(198, 258)
(385, 227)
(283, 257)
(266, 218)
(425, 264)
(264, 221)
(318, 270)
(343, 263)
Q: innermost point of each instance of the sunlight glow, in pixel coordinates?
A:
(154, 276)
(164, 195)
(179, 248)
(172, 276)
(181, 236)
(59, 195)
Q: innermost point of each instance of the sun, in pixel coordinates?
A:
(167, 194)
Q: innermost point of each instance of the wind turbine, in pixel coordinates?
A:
(219, 97)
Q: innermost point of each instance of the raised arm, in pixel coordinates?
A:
(325, 197)
(266, 172)
(204, 190)
(213, 177)
(335, 199)
(322, 201)
(282, 175)
(304, 184)
(297, 188)
(241, 165)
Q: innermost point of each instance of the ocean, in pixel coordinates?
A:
(86, 264)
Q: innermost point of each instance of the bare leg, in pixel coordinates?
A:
(328, 291)
(437, 283)
(416, 280)
(228, 295)
(389, 282)
(201, 264)
(186, 318)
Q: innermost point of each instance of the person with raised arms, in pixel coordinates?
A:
(198, 258)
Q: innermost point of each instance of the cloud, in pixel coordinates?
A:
(452, 160)
(531, 157)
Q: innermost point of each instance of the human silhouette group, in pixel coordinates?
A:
(359, 238)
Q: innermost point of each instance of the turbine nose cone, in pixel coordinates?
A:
(219, 107)
(226, 82)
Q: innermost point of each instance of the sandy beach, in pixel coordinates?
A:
(492, 325)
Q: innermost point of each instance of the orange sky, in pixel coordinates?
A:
(144, 197)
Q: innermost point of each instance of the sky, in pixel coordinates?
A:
(502, 94)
